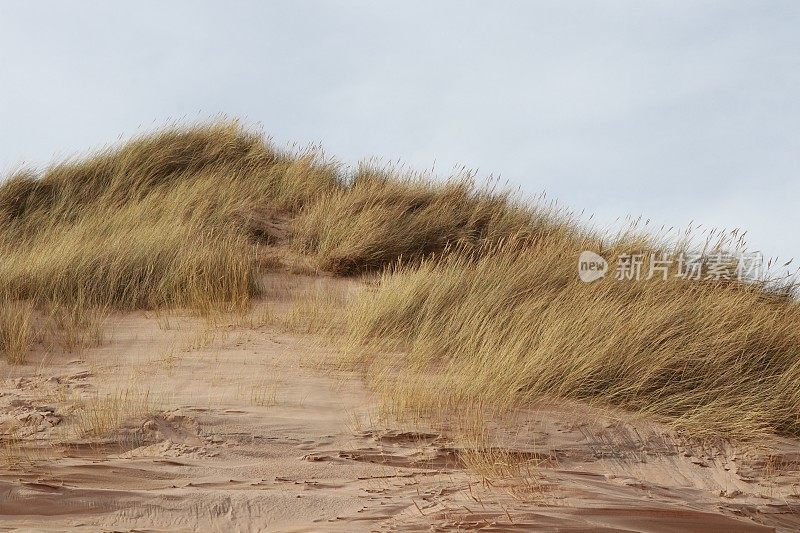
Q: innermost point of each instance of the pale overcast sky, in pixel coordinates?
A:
(678, 111)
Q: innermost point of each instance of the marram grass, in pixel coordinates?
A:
(478, 300)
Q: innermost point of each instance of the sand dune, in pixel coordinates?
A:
(174, 424)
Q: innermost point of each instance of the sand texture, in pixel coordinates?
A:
(173, 424)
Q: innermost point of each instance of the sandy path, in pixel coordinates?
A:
(235, 428)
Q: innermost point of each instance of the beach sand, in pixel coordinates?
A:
(175, 424)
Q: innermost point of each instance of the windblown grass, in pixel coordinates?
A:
(382, 217)
(478, 300)
(16, 330)
(506, 328)
(173, 219)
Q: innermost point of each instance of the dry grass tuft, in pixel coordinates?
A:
(16, 330)
(174, 219)
(101, 415)
(75, 327)
(382, 218)
(315, 309)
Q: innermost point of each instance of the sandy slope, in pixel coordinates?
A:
(236, 428)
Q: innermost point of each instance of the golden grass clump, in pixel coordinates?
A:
(382, 217)
(172, 219)
(169, 219)
(108, 261)
(505, 328)
(16, 330)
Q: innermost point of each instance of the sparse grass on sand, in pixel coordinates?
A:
(478, 300)
(102, 415)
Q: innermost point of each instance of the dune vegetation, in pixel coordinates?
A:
(472, 299)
